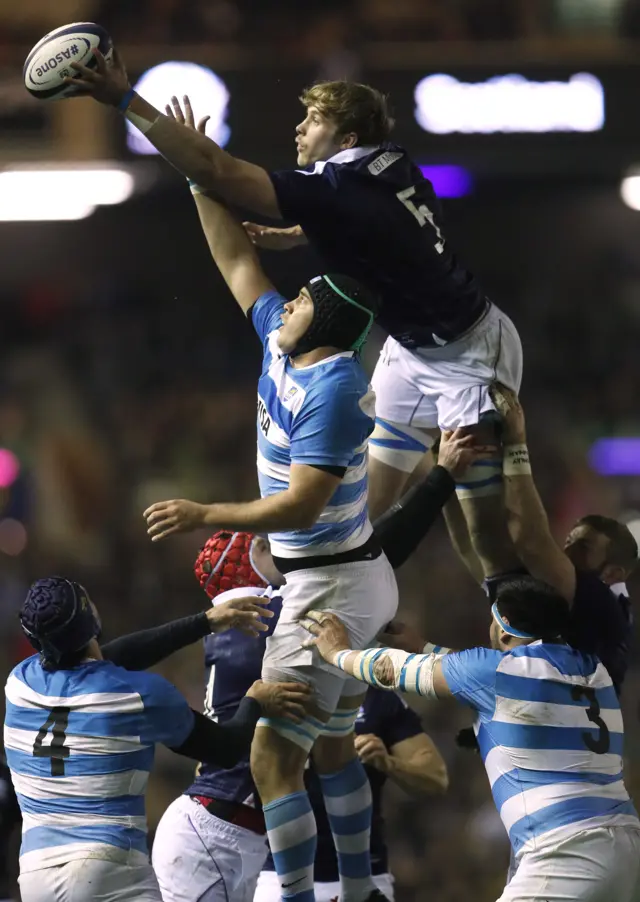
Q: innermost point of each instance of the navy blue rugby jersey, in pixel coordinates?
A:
(372, 215)
(233, 663)
(601, 624)
(385, 715)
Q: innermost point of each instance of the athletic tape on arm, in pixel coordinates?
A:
(411, 673)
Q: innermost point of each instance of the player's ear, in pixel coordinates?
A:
(348, 141)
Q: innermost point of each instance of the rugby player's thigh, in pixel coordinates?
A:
(456, 378)
(364, 594)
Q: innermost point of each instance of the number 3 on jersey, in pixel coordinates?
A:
(601, 743)
(422, 213)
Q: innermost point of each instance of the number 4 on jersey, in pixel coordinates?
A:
(422, 213)
(57, 722)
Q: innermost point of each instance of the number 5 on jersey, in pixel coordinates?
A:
(422, 213)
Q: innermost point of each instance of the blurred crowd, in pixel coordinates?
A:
(297, 28)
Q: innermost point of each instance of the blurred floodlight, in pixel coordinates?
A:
(509, 103)
(9, 468)
(58, 193)
(618, 456)
(630, 191)
(448, 181)
(13, 537)
(208, 94)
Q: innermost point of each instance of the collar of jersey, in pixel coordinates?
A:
(343, 156)
(301, 369)
(352, 153)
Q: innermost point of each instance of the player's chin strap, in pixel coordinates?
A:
(253, 563)
(391, 668)
(361, 339)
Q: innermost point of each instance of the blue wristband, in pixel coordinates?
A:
(125, 103)
(340, 658)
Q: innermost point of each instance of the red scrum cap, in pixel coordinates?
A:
(226, 562)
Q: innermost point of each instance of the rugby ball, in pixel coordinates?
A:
(49, 63)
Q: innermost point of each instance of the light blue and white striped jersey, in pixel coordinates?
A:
(80, 745)
(550, 735)
(321, 415)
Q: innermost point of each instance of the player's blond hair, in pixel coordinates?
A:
(353, 108)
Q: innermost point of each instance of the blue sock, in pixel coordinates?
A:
(347, 798)
(291, 828)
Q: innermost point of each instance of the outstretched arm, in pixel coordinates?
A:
(146, 648)
(527, 519)
(232, 251)
(230, 245)
(196, 156)
(461, 540)
(384, 668)
(401, 529)
(297, 507)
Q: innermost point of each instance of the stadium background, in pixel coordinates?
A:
(128, 376)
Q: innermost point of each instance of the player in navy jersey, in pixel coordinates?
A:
(80, 735)
(211, 842)
(365, 206)
(590, 571)
(550, 732)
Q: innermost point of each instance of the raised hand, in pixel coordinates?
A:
(244, 614)
(174, 110)
(273, 239)
(509, 407)
(107, 83)
(167, 517)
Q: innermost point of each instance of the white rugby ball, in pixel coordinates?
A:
(49, 62)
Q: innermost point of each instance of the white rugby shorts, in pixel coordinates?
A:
(268, 889)
(88, 880)
(199, 858)
(598, 865)
(363, 594)
(443, 387)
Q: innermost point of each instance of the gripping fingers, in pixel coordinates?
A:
(177, 110)
(188, 111)
(202, 124)
(311, 626)
(294, 712)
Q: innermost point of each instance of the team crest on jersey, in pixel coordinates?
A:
(291, 392)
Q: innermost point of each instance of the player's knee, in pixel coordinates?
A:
(278, 754)
(334, 748)
(331, 754)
